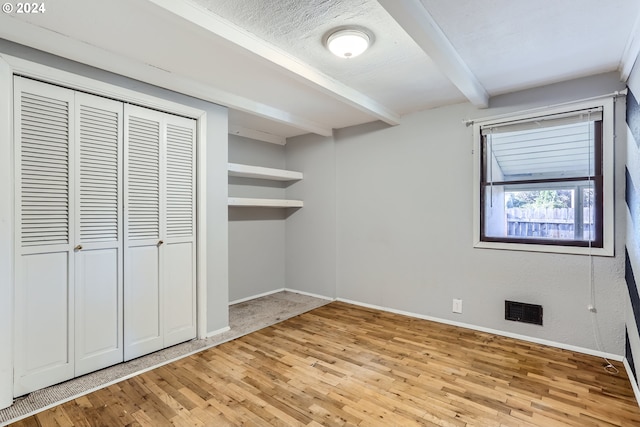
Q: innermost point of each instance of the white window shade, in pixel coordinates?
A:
(557, 146)
(571, 117)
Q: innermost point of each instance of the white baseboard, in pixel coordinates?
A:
(219, 331)
(309, 294)
(563, 346)
(632, 379)
(295, 291)
(264, 294)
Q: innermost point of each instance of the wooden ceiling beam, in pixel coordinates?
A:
(420, 25)
(306, 74)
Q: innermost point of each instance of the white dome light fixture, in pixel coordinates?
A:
(348, 42)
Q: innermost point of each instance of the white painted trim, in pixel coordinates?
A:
(295, 291)
(420, 25)
(85, 84)
(57, 44)
(310, 294)
(256, 134)
(6, 235)
(217, 332)
(569, 347)
(632, 379)
(201, 226)
(252, 297)
(631, 52)
(312, 77)
(532, 247)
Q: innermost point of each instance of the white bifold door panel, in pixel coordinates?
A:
(179, 262)
(143, 329)
(44, 340)
(105, 235)
(159, 215)
(98, 233)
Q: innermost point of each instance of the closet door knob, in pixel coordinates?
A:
(160, 242)
(78, 248)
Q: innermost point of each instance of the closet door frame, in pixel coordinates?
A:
(7, 224)
(10, 66)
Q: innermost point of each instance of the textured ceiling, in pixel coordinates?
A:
(511, 45)
(300, 28)
(266, 60)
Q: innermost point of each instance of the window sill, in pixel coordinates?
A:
(531, 247)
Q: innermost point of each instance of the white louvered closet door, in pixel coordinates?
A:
(98, 236)
(44, 339)
(144, 187)
(160, 304)
(179, 267)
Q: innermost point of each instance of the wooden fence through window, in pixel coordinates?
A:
(552, 223)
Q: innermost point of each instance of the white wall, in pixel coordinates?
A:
(256, 235)
(216, 221)
(404, 227)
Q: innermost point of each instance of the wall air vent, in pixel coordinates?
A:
(521, 312)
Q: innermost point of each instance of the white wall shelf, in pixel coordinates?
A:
(266, 203)
(248, 171)
(259, 172)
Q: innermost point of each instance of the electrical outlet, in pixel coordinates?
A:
(457, 305)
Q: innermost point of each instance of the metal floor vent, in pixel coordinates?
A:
(522, 312)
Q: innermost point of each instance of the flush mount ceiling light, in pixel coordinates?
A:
(348, 42)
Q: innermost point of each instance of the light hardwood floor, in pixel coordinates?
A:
(343, 365)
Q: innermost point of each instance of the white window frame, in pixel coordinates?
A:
(608, 126)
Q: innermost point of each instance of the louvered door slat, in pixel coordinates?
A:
(143, 167)
(180, 181)
(99, 174)
(44, 143)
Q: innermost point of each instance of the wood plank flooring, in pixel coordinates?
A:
(343, 365)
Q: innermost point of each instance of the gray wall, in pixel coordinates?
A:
(256, 235)
(403, 227)
(311, 231)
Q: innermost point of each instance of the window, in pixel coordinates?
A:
(545, 182)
